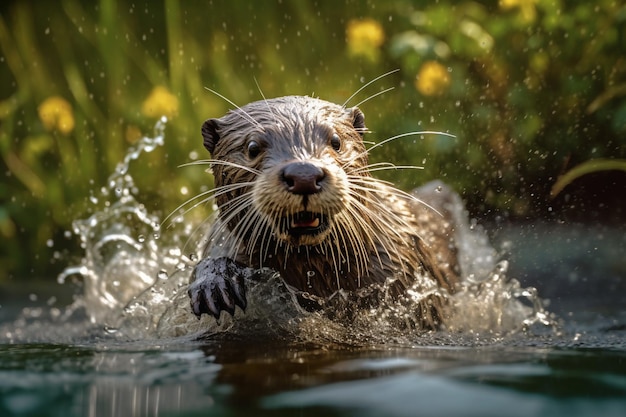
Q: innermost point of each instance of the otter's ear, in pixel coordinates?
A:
(210, 135)
(358, 120)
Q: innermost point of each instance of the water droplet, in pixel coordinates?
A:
(141, 238)
(193, 257)
(109, 329)
(162, 274)
(439, 189)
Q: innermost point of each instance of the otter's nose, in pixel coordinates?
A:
(302, 177)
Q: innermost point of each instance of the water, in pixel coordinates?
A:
(126, 342)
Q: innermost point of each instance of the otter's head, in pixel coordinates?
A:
(282, 168)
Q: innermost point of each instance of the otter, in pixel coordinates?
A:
(295, 194)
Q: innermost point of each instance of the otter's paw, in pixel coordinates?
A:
(216, 285)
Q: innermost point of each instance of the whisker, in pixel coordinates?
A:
(221, 162)
(386, 239)
(237, 234)
(265, 238)
(254, 224)
(368, 84)
(371, 186)
(209, 194)
(247, 231)
(369, 233)
(402, 135)
(364, 183)
(364, 210)
(384, 166)
(288, 250)
(373, 96)
(185, 203)
(208, 219)
(265, 100)
(349, 234)
(232, 103)
(359, 215)
(331, 249)
(361, 254)
(346, 167)
(236, 206)
(343, 243)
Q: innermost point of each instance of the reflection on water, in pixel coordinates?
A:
(184, 377)
(52, 379)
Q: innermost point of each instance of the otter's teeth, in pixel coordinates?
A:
(309, 223)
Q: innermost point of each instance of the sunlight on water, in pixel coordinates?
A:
(135, 280)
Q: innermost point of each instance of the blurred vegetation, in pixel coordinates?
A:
(530, 88)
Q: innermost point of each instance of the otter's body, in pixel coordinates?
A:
(295, 195)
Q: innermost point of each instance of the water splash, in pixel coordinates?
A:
(135, 285)
(123, 253)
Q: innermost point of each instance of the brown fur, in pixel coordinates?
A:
(374, 231)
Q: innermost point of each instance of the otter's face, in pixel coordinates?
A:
(283, 167)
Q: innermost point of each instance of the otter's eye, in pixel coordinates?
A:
(335, 142)
(254, 149)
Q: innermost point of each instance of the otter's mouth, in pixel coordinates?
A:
(305, 223)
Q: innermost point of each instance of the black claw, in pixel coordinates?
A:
(218, 285)
(211, 304)
(226, 293)
(239, 291)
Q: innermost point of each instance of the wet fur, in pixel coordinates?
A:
(376, 233)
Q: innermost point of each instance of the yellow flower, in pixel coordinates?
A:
(56, 114)
(527, 8)
(432, 79)
(159, 103)
(364, 38)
